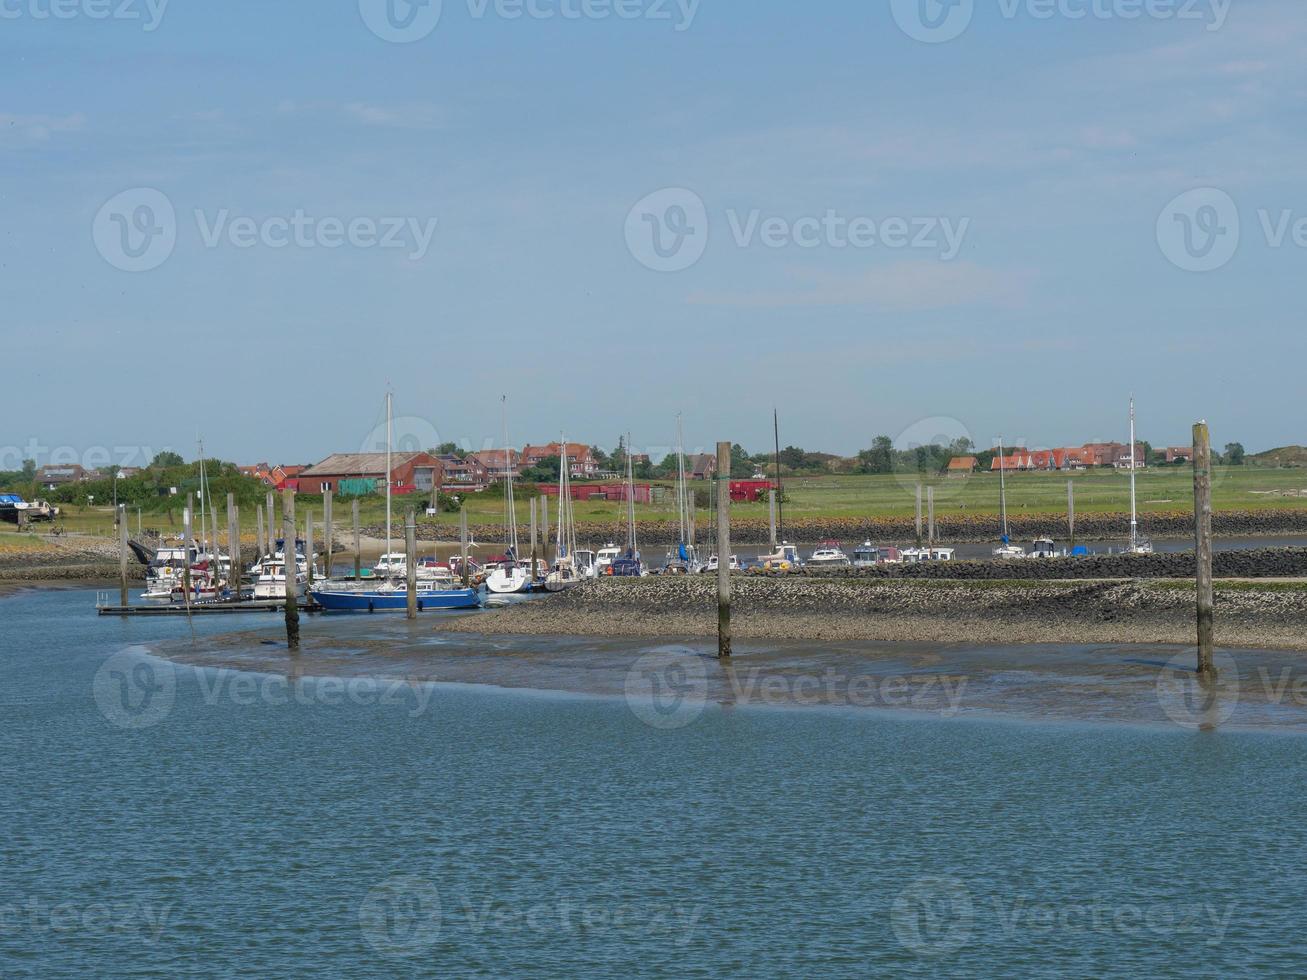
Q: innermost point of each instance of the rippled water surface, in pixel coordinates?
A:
(162, 820)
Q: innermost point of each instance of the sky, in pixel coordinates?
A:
(247, 221)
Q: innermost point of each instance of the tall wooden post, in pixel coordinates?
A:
(122, 554)
(308, 543)
(1203, 550)
(273, 524)
(288, 551)
(462, 548)
(532, 577)
(930, 516)
(411, 563)
(918, 515)
(233, 546)
(544, 523)
(358, 550)
(261, 543)
(1071, 511)
(723, 550)
(327, 535)
(771, 517)
(188, 543)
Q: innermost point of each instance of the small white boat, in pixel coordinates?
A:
(270, 576)
(605, 557)
(915, 555)
(510, 577)
(564, 576)
(584, 560)
(713, 562)
(866, 555)
(829, 555)
(391, 565)
(1044, 548)
(783, 559)
(1009, 551)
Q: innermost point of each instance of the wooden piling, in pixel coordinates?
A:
(358, 550)
(930, 516)
(411, 563)
(273, 524)
(1071, 511)
(308, 543)
(288, 551)
(544, 524)
(723, 476)
(771, 517)
(1203, 548)
(327, 535)
(532, 577)
(122, 554)
(462, 548)
(233, 546)
(260, 543)
(188, 542)
(918, 515)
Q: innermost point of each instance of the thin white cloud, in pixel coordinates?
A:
(28, 130)
(416, 115)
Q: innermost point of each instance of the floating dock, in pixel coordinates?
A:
(202, 609)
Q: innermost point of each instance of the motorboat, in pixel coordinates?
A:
(785, 558)
(829, 555)
(1006, 551)
(713, 563)
(1044, 548)
(606, 555)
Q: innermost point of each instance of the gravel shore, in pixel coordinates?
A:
(67, 559)
(1262, 615)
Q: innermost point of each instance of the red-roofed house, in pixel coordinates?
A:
(581, 462)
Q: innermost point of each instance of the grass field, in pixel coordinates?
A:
(1105, 491)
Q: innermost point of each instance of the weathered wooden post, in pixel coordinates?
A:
(1203, 550)
(411, 563)
(1071, 511)
(930, 516)
(531, 579)
(122, 555)
(327, 534)
(544, 524)
(273, 524)
(263, 551)
(308, 543)
(288, 553)
(233, 547)
(358, 550)
(723, 550)
(918, 514)
(188, 544)
(771, 517)
(462, 548)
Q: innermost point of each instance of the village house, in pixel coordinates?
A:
(580, 459)
(360, 473)
(702, 466)
(51, 477)
(497, 464)
(1110, 454)
(962, 465)
(1180, 454)
(463, 473)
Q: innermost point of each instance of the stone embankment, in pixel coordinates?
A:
(836, 609)
(955, 528)
(64, 559)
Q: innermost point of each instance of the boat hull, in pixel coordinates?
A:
(506, 583)
(367, 601)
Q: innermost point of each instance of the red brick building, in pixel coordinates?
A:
(409, 472)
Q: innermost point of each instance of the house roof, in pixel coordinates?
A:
(358, 464)
(962, 463)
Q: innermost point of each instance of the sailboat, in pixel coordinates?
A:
(1007, 549)
(629, 564)
(511, 575)
(566, 573)
(392, 594)
(684, 558)
(1138, 545)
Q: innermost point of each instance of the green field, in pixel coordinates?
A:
(1161, 490)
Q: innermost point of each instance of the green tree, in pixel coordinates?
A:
(29, 469)
(166, 459)
(741, 465)
(1234, 454)
(879, 458)
(546, 471)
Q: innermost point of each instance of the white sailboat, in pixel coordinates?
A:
(684, 558)
(1007, 549)
(512, 575)
(566, 574)
(1138, 545)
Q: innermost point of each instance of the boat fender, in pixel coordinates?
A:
(370, 606)
(420, 605)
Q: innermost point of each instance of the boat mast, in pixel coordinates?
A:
(1134, 516)
(508, 472)
(630, 498)
(389, 571)
(780, 496)
(1002, 488)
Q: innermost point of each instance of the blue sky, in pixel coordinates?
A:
(1051, 147)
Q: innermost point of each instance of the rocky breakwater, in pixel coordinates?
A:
(1257, 563)
(71, 558)
(980, 612)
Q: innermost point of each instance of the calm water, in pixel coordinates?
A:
(258, 828)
